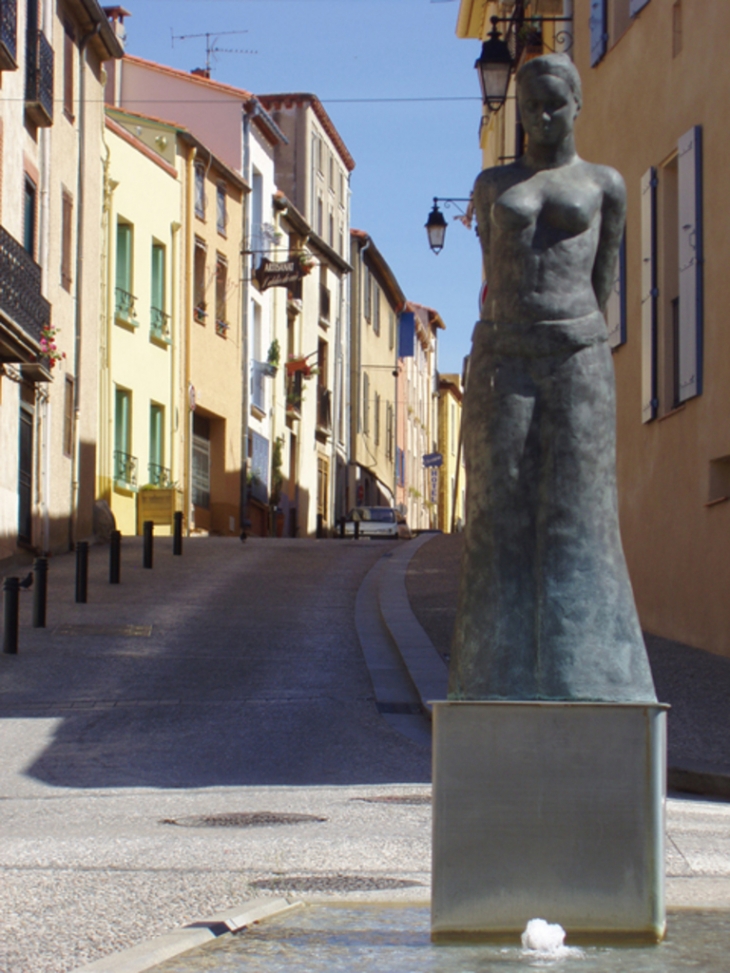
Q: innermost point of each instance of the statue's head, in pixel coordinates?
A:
(550, 97)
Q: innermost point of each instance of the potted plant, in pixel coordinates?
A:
(271, 365)
(200, 313)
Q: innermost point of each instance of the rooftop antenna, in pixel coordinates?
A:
(211, 44)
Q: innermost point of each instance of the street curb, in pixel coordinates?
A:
(423, 663)
(147, 955)
(706, 783)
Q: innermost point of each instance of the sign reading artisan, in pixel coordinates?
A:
(269, 273)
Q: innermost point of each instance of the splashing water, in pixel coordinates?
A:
(547, 940)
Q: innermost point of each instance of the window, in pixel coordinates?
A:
(29, 216)
(331, 238)
(257, 216)
(200, 192)
(221, 213)
(221, 288)
(320, 215)
(124, 299)
(68, 70)
(322, 486)
(453, 429)
(391, 329)
(159, 320)
(325, 301)
(258, 388)
(68, 416)
(200, 310)
(332, 172)
(365, 404)
(67, 208)
(158, 475)
(376, 309)
(389, 431)
(366, 293)
(125, 465)
(201, 461)
(376, 419)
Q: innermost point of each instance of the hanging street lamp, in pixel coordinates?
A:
(494, 67)
(436, 228)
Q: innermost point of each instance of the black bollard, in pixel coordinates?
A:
(115, 557)
(40, 591)
(177, 536)
(148, 528)
(357, 530)
(342, 525)
(82, 571)
(11, 593)
(320, 526)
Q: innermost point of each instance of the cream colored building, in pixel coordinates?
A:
(451, 474)
(656, 96)
(376, 303)
(312, 170)
(51, 121)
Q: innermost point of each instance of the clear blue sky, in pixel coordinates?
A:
(406, 151)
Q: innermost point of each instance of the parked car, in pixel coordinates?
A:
(375, 522)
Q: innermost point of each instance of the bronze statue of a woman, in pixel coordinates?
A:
(546, 610)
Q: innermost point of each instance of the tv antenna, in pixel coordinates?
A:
(211, 44)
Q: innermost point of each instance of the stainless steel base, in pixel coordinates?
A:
(552, 811)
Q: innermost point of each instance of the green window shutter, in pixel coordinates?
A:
(158, 276)
(124, 257)
(690, 264)
(122, 421)
(156, 435)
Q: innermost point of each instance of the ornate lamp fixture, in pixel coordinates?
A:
(494, 67)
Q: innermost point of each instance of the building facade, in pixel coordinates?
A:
(51, 120)
(451, 474)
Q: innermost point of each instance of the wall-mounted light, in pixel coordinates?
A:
(494, 67)
(436, 223)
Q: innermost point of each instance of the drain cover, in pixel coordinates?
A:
(396, 799)
(330, 883)
(252, 819)
(113, 631)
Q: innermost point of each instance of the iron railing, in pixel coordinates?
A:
(39, 81)
(8, 35)
(221, 328)
(324, 408)
(159, 325)
(125, 309)
(20, 289)
(125, 469)
(159, 475)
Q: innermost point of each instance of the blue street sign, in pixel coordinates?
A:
(433, 459)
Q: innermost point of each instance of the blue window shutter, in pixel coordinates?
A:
(636, 5)
(616, 307)
(599, 34)
(648, 297)
(690, 264)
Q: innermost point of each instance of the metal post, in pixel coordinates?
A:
(357, 530)
(177, 537)
(40, 591)
(11, 592)
(82, 571)
(115, 557)
(320, 526)
(148, 528)
(342, 525)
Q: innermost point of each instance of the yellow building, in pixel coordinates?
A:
(172, 394)
(656, 96)
(451, 473)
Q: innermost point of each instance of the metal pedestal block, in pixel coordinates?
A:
(552, 811)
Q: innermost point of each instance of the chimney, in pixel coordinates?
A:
(115, 15)
(201, 73)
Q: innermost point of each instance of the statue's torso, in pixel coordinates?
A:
(540, 232)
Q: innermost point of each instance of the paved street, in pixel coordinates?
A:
(230, 681)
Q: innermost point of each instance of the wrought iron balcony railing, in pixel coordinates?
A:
(324, 409)
(159, 325)
(39, 82)
(221, 328)
(125, 470)
(8, 35)
(24, 312)
(125, 309)
(159, 475)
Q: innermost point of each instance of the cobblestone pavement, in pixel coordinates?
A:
(240, 687)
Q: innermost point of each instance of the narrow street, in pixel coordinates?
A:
(228, 681)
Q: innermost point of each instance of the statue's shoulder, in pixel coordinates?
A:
(609, 179)
(492, 180)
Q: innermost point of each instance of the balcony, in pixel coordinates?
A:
(125, 311)
(125, 470)
(24, 312)
(39, 82)
(294, 395)
(324, 410)
(221, 328)
(8, 35)
(159, 475)
(159, 325)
